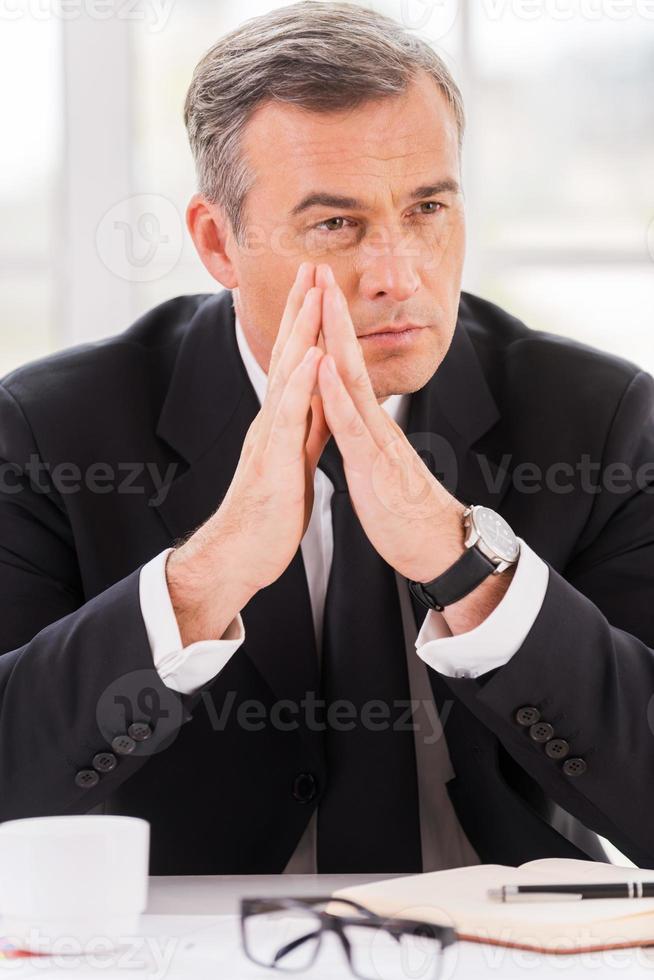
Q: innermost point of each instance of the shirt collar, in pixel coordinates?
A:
(397, 406)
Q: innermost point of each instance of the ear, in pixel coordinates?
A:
(212, 235)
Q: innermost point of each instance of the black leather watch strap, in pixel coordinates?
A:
(461, 578)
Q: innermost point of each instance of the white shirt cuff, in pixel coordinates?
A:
(493, 642)
(183, 669)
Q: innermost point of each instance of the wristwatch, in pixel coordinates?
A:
(491, 548)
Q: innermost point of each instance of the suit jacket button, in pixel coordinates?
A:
(87, 779)
(557, 748)
(527, 716)
(542, 731)
(123, 745)
(140, 731)
(304, 787)
(105, 761)
(574, 767)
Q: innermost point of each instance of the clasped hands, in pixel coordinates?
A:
(406, 513)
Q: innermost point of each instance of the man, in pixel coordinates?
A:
(242, 592)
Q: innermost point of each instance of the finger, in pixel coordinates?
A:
(304, 280)
(342, 343)
(303, 336)
(287, 436)
(358, 448)
(324, 275)
(324, 279)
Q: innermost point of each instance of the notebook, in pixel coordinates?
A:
(459, 898)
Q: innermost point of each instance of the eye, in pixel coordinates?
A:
(321, 224)
(438, 207)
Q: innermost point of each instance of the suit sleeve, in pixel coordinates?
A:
(586, 667)
(82, 706)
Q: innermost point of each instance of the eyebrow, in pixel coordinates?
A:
(324, 199)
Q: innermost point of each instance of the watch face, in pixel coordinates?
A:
(496, 533)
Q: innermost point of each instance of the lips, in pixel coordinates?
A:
(392, 328)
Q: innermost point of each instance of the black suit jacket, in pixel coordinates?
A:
(81, 512)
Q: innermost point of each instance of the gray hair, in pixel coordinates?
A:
(317, 55)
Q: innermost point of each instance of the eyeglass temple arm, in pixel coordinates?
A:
(285, 950)
(262, 905)
(318, 899)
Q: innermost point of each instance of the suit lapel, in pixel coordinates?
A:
(208, 409)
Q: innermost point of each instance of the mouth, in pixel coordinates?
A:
(392, 335)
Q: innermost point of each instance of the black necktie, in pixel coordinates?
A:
(368, 819)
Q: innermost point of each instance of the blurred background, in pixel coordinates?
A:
(96, 170)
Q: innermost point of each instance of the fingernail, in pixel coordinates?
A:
(330, 275)
(310, 355)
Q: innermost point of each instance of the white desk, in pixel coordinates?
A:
(212, 895)
(191, 931)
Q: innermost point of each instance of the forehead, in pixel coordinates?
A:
(410, 135)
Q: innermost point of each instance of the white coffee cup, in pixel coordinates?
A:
(72, 880)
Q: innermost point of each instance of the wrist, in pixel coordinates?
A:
(205, 594)
(444, 544)
(490, 550)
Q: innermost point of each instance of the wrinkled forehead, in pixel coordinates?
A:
(378, 148)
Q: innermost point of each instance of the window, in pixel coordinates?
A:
(30, 246)
(557, 163)
(560, 163)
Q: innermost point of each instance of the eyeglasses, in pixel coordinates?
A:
(285, 934)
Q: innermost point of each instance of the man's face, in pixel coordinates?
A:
(396, 248)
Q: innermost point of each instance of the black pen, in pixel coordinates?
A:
(571, 893)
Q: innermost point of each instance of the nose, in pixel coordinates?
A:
(390, 268)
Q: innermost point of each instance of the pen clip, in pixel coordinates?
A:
(510, 893)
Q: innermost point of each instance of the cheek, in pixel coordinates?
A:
(261, 307)
(265, 279)
(446, 245)
(442, 279)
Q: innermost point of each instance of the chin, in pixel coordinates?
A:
(404, 373)
(401, 379)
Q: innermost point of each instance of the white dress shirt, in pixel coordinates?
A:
(489, 645)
